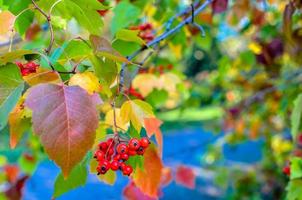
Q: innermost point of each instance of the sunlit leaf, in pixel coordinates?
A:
(148, 180)
(64, 118)
(136, 111)
(103, 48)
(130, 36)
(12, 56)
(7, 20)
(87, 80)
(108, 178)
(152, 126)
(19, 123)
(11, 87)
(109, 119)
(42, 76)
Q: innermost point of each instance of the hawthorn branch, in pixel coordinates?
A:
(163, 36)
(48, 18)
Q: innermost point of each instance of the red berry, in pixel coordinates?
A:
(121, 148)
(117, 157)
(103, 146)
(300, 139)
(124, 156)
(114, 165)
(99, 155)
(286, 170)
(144, 142)
(122, 166)
(131, 153)
(19, 64)
(140, 151)
(134, 144)
(127, 170)
(103, 167)
(110, 142)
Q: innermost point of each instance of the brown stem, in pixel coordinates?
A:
(48, 18)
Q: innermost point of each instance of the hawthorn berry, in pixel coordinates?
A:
(99, 155)
(114, 165)
(127, 170)
(131, 153)
(286, 170)
(121, 148)
(124, 156)
(103, 146)
(144, 142)
(140, 151)
(134, 144)
(122, 166)
(112, 154)
(103, 167)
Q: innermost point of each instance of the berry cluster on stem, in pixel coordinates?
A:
(114, 152)
(27, 68)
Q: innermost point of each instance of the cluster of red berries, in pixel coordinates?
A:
(133, 92)
(27, 68)
(112, 154)
(286, 170)
(159, 69)
(145, 31)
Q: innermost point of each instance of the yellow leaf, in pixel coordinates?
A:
(7, 20)
(136, 111)
(168, 82)
(100, 134)
(255, 47)
(109, 119)
(176, 49)
(145, 83)
(87, 81)
(19, 122)
(42, 76)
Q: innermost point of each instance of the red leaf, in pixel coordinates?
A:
(148, 180)
(15, 191)
(219, 6)
(185, 176)
(166, 176)
(65, 118)
(152, 126)
(11, 172)
(131, 192)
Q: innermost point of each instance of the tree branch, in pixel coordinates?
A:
(163, 36)
(48, 18)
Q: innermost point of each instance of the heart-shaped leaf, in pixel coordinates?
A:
(65, 118)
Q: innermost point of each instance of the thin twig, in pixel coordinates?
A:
(162, 37)
(48, 18)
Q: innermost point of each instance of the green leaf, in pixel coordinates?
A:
(124, 47)
(296, 168)
(77, 177)
(157, 98)
(296, 117)
(106, 70)
(27, 166)
(75, 50)
(82, 10)
(11, 87)
(103, 48)
(294, 190)
(136, 161)
(12, 56)
(130, 36)
(124, 14)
